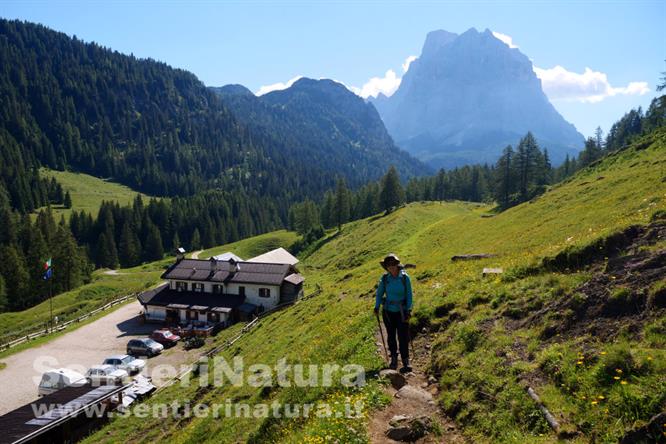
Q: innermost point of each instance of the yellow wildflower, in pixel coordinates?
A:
(623, 382)
(616, 377)
(594, 403)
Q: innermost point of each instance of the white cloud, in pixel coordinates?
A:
(408, 61)
(276, 86)
(505, 38)
(386, 85)
(588, 87)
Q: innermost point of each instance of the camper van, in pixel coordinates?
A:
(56, 379)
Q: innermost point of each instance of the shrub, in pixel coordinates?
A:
(477, 299)
(499, 299)
(469, 336)
(655, 332)
(617, 364)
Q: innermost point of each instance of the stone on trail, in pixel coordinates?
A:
(396, 378)
(408, 429)
(415, 393)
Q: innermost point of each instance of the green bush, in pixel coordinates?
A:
(469, 336)
(617, 364)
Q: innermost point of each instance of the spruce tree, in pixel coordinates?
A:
(154, 249)
(175, 242)
(68, 200)
(72, 264)
(13, 269)
(392, 194)
(342, 203)
(129, 248)
(3, 295)
(195, 243)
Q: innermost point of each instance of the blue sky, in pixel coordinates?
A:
(261, 43)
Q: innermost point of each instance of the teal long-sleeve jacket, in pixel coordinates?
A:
(395, 292)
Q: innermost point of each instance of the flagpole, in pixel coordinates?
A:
(51, 302)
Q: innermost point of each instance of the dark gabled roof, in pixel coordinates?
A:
(225, 271)
(22, 423)
(243, 277)
(165, 297)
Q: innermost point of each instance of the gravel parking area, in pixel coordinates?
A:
(80, 349)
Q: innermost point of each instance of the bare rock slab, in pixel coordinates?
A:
(415, 393)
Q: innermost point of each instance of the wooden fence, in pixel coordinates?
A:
(64, 325)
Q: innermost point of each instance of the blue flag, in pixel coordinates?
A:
(47, 274)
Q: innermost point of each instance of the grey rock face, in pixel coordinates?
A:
(468, 96)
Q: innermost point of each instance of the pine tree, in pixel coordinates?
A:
(527, 158)
(35, 252)
(68, 200)
(342, 204)
(154, 248)
(590, 153)
(195, 243)
(13, 269)
(392, 194)
(328, 210)
(175, 243)
(106, 251)
(599, 138)
(72, 265)
(129, 248)
(504, 178)
(3, 295)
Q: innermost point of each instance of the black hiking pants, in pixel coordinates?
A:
(394, 324)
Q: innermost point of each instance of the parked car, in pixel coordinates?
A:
(144, 346)
(194, 342)
(165, 337)
(126, 362)
(106, 375)
(56, 379)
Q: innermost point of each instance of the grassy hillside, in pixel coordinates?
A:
(492, 337)
(254, 246)
(88, 192)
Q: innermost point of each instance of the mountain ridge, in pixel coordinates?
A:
(467, 97)
(322, 117)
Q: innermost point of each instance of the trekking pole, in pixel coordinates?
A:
(411, 346)
(381, 333)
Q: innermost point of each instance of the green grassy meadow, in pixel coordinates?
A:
(482, 356)
(247, 248)
(88, 192)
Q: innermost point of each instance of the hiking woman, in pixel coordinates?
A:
(397, 309)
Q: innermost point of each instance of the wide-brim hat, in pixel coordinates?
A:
(390, 259)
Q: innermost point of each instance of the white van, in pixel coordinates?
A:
(56, 379)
